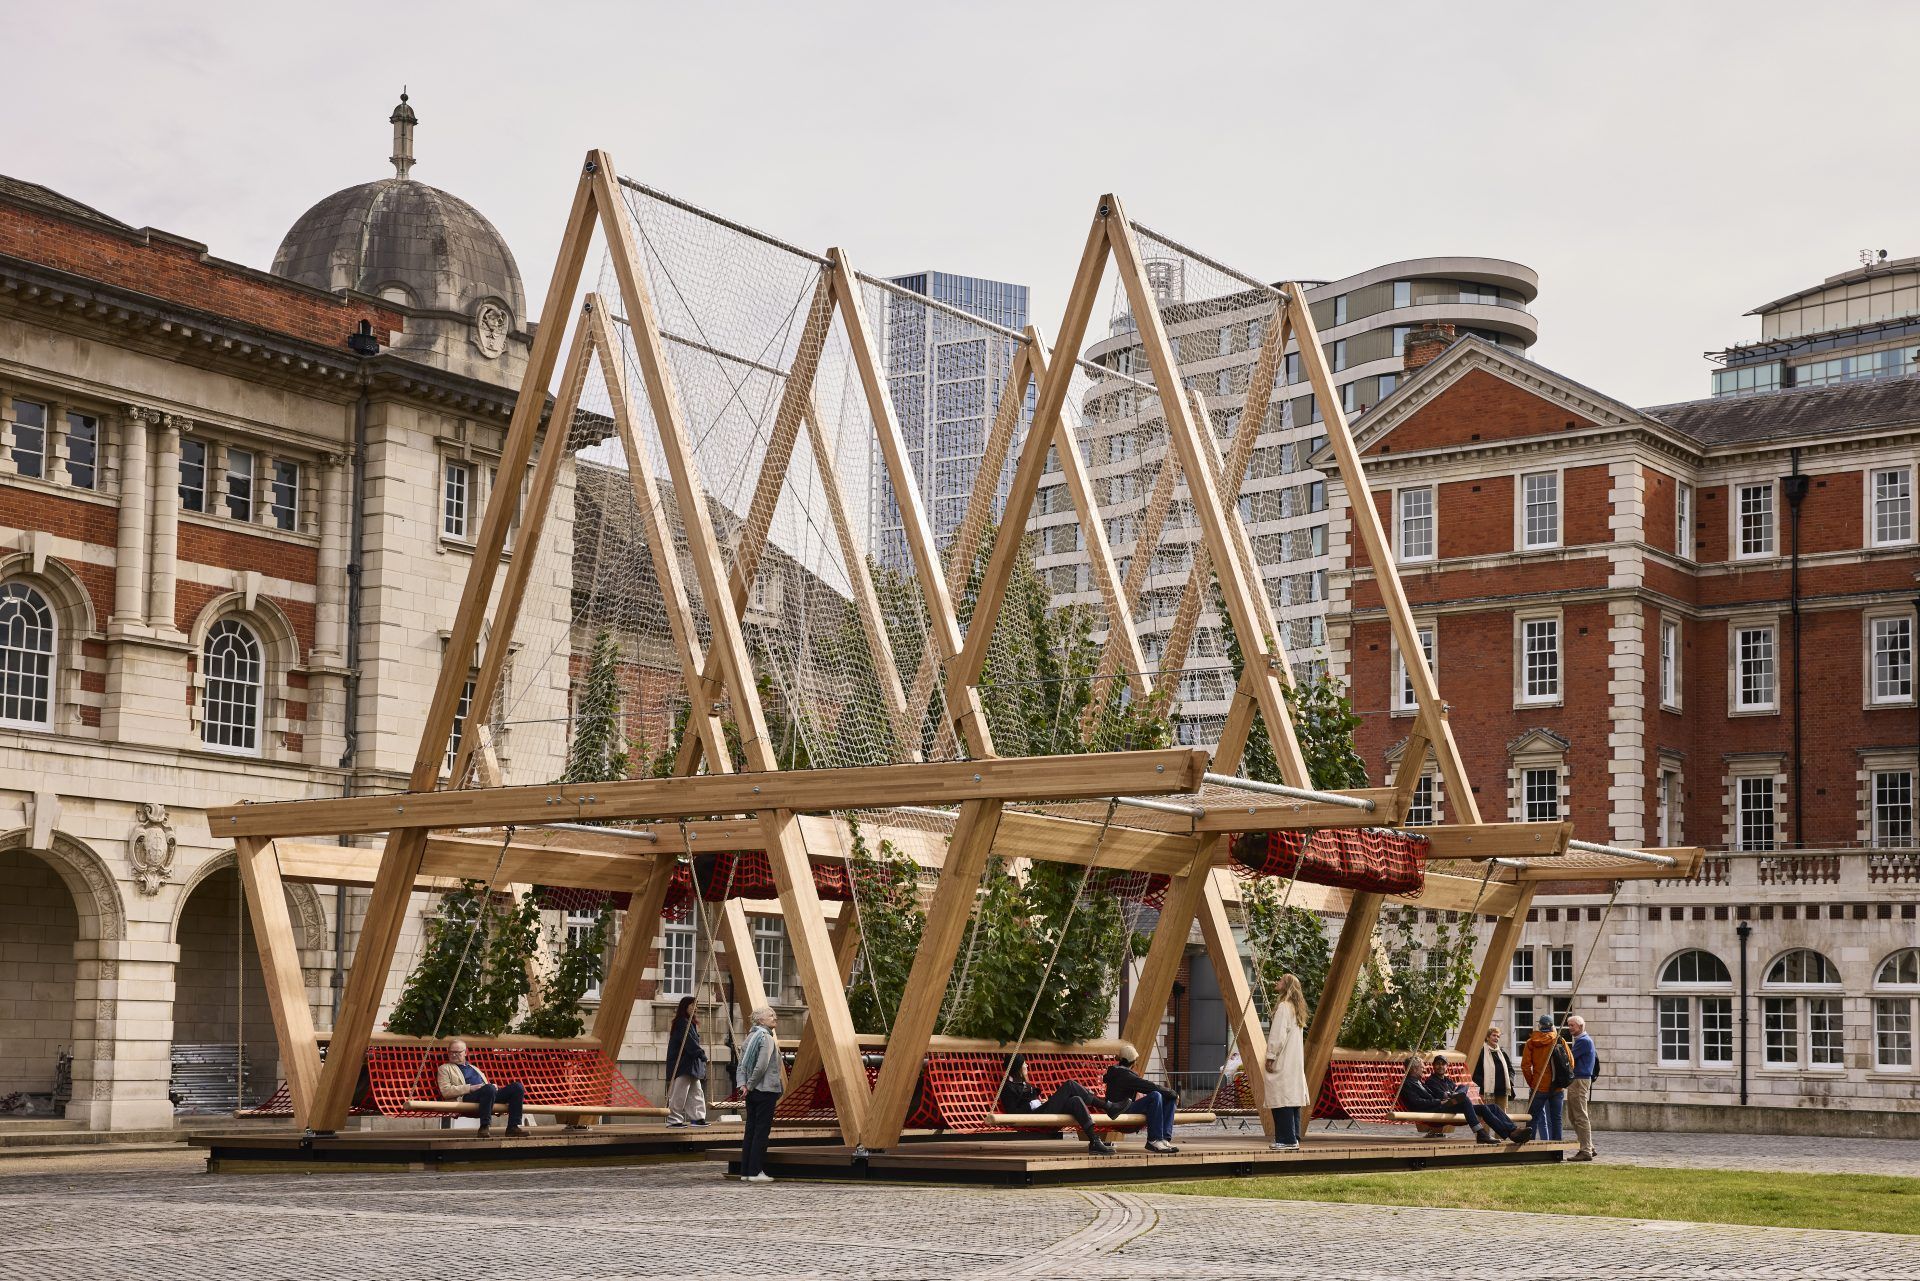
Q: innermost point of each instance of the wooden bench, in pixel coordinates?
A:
(1428, 1118)
(1061, 1121)
(459, 1107)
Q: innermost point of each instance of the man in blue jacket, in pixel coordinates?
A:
(1586, 1069)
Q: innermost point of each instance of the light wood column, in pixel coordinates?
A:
(620, 986)
(743, 965)
(1164, 954)
(1243, 1017)
(280, 964)
(1349, 955)
(1485, 1002)
(846, 950)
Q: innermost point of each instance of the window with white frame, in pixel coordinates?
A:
(770, 952)
(1756, 816)
(1892, 809)
(27, 636)
(1522, 1025)
(30, 439)
(1420, 810)
(83, 450)
(193, 475)
(1666, 816)
(1559, 967)
(461, 711)
(283, 507)
(1800, 1012)
(1416, 524)
(1520, 971)
(1670, 662)
(1540, 509)
(579, 926)
(679, 945)
(233, 670)
(1896, 1005)
(1540, 660)
(1404, 699)
(240, 467)
(1695, 1011)
(1540, 794)
(1892, 506)
(456, 499)
(1683, 520)
(1753, 509)
(1891, 640)
(1753, 660)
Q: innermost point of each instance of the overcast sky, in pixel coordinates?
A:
(1665, 167)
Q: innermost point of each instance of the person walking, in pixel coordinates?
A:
(1586, 1070)
(1548, 1069)
(686, 1068)
(1284, 1071)
(760, 1076)
(1493, 1072)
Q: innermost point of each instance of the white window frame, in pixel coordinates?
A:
(1524, 539)
(770, 945)
(680, 952)
(1798, 1007)
(1423, 809)
(1683, 520)
(249, 474)
(458, 526)
(1514, 967)
(32, 664)
(1880, 835)
(249, 737)
(1526, 627)
(1671, 636)
(574, 925)
(1901, 504)
(1889, 623)
(1896, 1011)
(1668, 810)
(1556, 956)
(1737, 542)
(1737, 639)
(1407, 554)
(1745, 789)
(1694, 994)
(275, 486)
(1527, 779)
(1404, 702)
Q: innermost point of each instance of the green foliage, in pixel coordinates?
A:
(1413, 988)
(487, 990)
(581, 965)
(599, 752)
(1323, 721)
(1285, 939)
(886, 887)
(789, 743)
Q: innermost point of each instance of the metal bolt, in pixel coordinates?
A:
(976, 778)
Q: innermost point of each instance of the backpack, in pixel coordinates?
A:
(1562, 1063)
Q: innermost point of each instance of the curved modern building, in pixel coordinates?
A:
(1364, 320)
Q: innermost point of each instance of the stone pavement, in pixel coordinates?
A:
(1762, 1152)
(155, 1216)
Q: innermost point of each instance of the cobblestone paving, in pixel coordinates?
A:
(1762, 1152)
(155, 1216)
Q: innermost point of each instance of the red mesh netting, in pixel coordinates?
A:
(1370, 859)
(1368, 1091)
(572, 1076)
(747, 874)
(957, 1091)
(1231, 1095)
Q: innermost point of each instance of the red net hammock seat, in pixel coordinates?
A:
(571, 1078)
(1367, 1089)
(1352, 858)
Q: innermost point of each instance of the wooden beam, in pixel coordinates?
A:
(1270, 814)
(1485, 1001)
(386, 906)
(1496, 840)
(1349, 957)
(743, 963)
(1031, 778)
(620, 985)
(845, 936)
(1148, 1007)
(1441, 892)
(452, 859)
(1685, 859)
(279, 950)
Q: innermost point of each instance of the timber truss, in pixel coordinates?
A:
(434, 836)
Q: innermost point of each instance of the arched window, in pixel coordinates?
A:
(1695, 1030)
(1784, 1016)
(1896, 1007)
(233, 668)
(26, 657)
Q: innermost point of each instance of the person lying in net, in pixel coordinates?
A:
(459, 1079)
(1425, 1089)
(1128, 1091)
(1070, 1097)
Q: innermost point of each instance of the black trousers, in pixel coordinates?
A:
(1072, 1098)
(753, 1145)
(512, 1094)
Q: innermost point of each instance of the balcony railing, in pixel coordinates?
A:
(1851, 870)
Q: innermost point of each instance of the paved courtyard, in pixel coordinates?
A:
(153, 1215)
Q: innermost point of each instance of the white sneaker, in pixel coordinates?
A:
(762, 1177)
(1283, 1147)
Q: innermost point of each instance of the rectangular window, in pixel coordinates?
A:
(1826, 1032)
(1541, 795)
(1716, 1030)
(1416, 523)
(1420, 808)
(1756, 520)
(1892, 659)
(1753, 656)
(1676, 1031)
(456, 499)
(1339, 352)
(1540, 660)
(1893, 1033)
(1522, 1021)
(240, 484)
(1670, 662)
(29, 439)
(678, 947)
(1540, 509)
(579, 926)
(461, 710)
(1780, 1020)
(1892, 506)
(1520, 972)
(1403, 679)
(1340, 310)
(770, 952)
(1403, 293)
(1683, 520)
(1664, 825)
(1756, 816)
(285, 507)
(1560, 967)
(193, 475)
(1893, 809)
(83, 450)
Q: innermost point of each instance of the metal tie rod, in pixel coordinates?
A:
(1638, 856)
(1292, 793)
(1165, 807)
(631, 833)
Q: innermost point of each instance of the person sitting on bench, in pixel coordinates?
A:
(1436, 1092)
(1128, 1091)
(1070, 1097)
(460, 1079)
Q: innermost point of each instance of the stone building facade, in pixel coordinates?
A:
(1686, 625)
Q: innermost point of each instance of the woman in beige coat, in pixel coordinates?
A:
(1285, 1074)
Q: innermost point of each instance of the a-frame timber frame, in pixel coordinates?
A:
(768, 802)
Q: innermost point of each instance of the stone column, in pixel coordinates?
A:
(166, 524)
(329, 641)
(130, 566)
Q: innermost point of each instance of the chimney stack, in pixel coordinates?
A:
(1425, 344)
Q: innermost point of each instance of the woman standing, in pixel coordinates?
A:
(760, 1074)
(1285, 1075)
(686, 1068)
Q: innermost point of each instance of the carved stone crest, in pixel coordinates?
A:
(490, 325)
(151, 846)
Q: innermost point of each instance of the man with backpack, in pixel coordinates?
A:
(1586, 1070)
(1548, 1066)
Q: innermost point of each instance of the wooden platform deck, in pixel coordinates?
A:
(254, 1150)
(1019, 1162)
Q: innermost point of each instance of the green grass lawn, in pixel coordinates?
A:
(1858, 1202)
